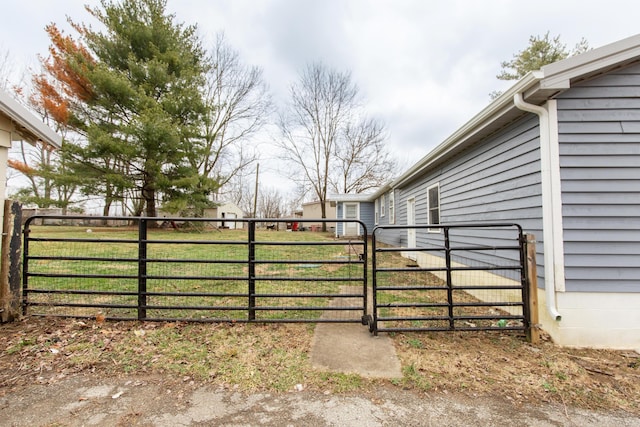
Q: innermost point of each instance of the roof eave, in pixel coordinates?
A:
(362, 197)
(562, 73)
(383, 189)
(457, 140)
(537, 87)
(29, 126)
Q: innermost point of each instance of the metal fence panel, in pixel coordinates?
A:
(191, 269)
(458, 277)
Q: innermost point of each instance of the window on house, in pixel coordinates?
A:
(376, 214)
(392, 212)
(433, 194)
(382, 205)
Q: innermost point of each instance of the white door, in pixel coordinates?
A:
(231, 225)
(411, 232)
(351, 212)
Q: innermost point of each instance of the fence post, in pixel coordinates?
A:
(365, 259)
(10, 264)
(252, 270)
(447, 256)
(373, 319)
(533, 332)
(142, 268)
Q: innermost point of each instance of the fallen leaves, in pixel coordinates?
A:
(274, 357)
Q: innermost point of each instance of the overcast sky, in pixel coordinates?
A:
(423, 67)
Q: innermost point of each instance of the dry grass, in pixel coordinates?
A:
(250, 357)
(274, 357)
(504, 365)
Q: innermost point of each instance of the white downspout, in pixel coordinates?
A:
(548, 223)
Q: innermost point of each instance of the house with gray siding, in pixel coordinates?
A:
(359, 207)
(559, 154)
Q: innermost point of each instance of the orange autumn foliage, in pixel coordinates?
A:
(67, 65)
(20, 167)
(50, 99)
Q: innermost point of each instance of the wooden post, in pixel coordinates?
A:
(5, 292)
(533, 332)
(10, 262)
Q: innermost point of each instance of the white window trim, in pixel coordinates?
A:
(382, 205)
(344, 216)
(429, 188)
(392, 207)
(376, 213)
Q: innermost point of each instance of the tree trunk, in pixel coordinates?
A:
(323, 209)
(106, 209)
(149, 196)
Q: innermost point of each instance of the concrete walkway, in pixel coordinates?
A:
(350, 348)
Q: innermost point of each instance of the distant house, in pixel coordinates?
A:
(559, 154)
(312, 210)
(360, 207)
(227, 212)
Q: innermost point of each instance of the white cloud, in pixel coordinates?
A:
(424, 67)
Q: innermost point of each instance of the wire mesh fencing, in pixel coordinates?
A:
(458, 277)
(191, 269)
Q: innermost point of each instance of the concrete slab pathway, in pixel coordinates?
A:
(350, 348)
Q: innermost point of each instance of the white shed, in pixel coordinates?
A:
(228, 212)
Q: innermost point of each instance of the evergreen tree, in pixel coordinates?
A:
(540, 52)
(133, 91)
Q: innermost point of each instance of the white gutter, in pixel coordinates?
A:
(553, 262)
(36, 128)
(496, 109)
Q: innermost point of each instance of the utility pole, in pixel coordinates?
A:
(255, 196)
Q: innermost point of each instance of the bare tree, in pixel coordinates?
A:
(237, 104)
(271, 203)
(362, 162)
(320, 131)
(6, 69)
(240, 191)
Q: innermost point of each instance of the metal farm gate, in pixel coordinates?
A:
(455, 277)
(192, 269)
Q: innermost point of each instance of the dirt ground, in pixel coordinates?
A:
(66, 372)
(150, 400)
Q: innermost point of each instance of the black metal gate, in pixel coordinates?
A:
(449, 277)
(193, 269)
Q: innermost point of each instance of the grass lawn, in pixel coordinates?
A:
(192, 275)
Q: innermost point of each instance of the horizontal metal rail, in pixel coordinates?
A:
(151, 276)
(451, 285)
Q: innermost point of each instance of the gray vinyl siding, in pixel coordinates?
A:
(367, 215)
(383, 220)
(387, 236)
(599, 135)
(497, 180)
